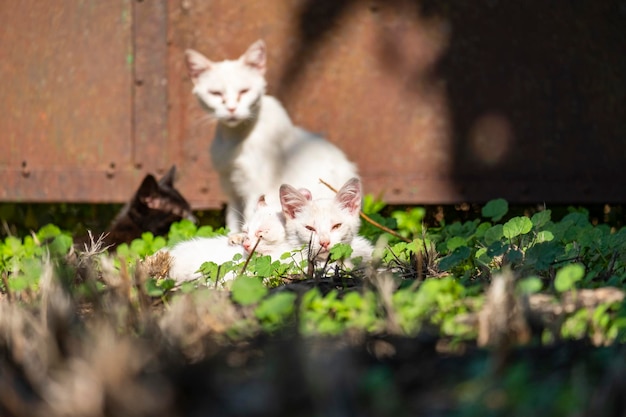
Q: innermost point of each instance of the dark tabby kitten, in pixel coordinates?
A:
(153, 208)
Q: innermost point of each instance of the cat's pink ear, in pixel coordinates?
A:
(349, 196)
(261, 202)
(306, 193)
(291, 200)
(196, 64)
(255, 56)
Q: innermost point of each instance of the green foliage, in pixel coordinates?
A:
(21, 259)
(274, 311)
(517, 226)
(495, 209)
(529, 285)
(409, 222)
(546, 254)
(437, 302)
(554, 257)
(248, 290)
(159, 288)
(140, 248)
(332, 314)
(186, 229)
(567, 276)
(340, 252)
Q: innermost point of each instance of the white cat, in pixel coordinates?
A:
(188, 256)
(322, 223)
(256, 147)
(265, 226)
(264, 231)
(301, 222)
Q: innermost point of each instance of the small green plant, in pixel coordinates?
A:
(456, 260)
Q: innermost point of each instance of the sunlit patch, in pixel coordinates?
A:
(490, 138)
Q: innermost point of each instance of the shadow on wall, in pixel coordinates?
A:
(537, 93)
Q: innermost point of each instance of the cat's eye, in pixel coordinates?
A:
(336, 226)
(215, 93)
(244, 91)
(311, 228)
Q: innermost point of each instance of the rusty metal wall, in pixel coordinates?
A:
(65, 98)
(83, 106)
(328, 65)
(437, 102)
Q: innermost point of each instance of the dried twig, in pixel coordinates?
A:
(250, 255)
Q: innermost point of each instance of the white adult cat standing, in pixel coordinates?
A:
(256, 147)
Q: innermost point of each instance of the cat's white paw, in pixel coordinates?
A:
(235, 239)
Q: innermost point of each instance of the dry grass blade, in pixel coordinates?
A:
(95, 246)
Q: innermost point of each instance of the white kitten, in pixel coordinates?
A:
(264, 231)
(187, 256)
(322, 223)
(315, 225)
(256, 147)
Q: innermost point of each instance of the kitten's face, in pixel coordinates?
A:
(229, 90)
(323, 222)
(267, 224)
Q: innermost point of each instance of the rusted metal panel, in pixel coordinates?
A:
(151, 146)
(84, 116)
(69, 185)
(437, 103)
(65, 97)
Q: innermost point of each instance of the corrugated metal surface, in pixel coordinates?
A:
(437, 102)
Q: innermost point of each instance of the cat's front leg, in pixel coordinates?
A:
(235, 239)
(233, 217)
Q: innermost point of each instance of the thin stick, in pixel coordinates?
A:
(250, 256)
(372, 221)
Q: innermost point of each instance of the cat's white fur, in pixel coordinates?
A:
(256, 148)
(321, 223)
(264, 231)
(301, 222)
(266, 225)
(188, 256)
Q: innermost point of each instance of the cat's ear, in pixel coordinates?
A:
(306, 193)
(196, 64)
(292, 201)
(149, 186)
(349, 196)
(255, 56)
(261, 202)
(167, 180)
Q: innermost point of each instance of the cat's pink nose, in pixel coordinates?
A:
(325, 243)
(231, 110)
